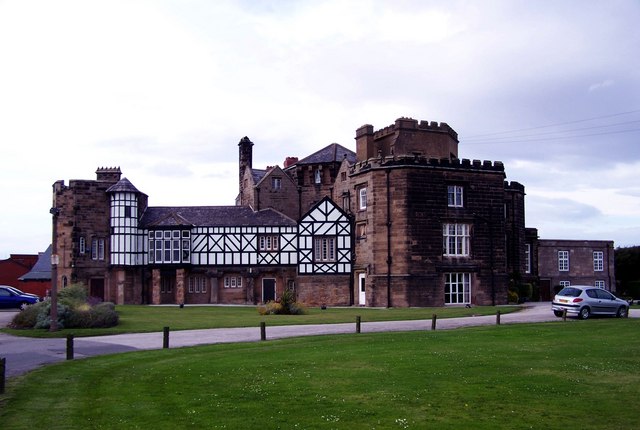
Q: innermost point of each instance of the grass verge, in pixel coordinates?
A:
(146, 319)
(529, 376)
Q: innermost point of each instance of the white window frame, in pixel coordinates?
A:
(276, 183)
(362, 198)
(269, 242)
(457, 288)
(527, 258)
(97, 249)
(455, 239)
(600, 284)
(564, 284)
(563, 261)
(324, 249)
(455, 196)
(598, 261)
(82, 245)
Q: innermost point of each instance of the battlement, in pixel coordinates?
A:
(513, 186)
(419, 161)
(405, 123)
(407, 136)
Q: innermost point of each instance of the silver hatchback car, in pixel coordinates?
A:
(583, 301)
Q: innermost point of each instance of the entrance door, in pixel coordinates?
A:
(96, 288)
(362, 295)
(268, 290)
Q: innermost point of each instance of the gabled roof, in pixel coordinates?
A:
(123, 186)
(41, 271)
(213, 216)
(333, 153)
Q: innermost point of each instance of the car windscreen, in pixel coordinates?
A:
(570, 292)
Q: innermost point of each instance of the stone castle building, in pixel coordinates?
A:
(402, 221)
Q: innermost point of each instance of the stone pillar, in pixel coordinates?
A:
(181, 277)
(120, 282)
(155, 286)
(214, 281)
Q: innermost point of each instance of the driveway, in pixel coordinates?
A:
(25, 354)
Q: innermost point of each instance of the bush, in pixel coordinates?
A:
(75, 310)
(28, 317)
(513, 296)
(285, 306)
(73, 295)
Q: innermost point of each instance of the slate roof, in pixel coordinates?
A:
(329, 154)
(41, 271)
(123, 185)
(258, 174)
(213, 216)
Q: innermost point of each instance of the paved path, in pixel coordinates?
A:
(25, 354)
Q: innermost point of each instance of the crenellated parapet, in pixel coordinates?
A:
(420, 161)
(413, 124)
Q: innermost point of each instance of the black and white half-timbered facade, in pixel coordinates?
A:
(204, 254)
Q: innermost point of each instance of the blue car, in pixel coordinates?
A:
(11, 297)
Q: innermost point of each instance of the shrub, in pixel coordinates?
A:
(28, 317)
(104, 315)
(270, 308)
(73, 312)
(513, 296)
(72, 295)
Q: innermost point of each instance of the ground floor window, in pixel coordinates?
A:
(600, 284)
(232, 282)
(197, 284)
(457, 288)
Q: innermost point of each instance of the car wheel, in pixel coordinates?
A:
(584, 313)
(622, 312)
(23, 305)
(558, 313)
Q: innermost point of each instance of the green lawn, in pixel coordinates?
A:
(585, 374)
(138, 319)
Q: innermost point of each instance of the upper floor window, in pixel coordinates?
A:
(455, 239)
(276, 183)
(82, 245)
(346, 202)
(97, 249)
(169, 246)
(270, 242)
(598, 261)
(527, 258)
(324, 248)
(455, 195)
(318, 176)
(563, 261)
(362, 198)
(343, 176)
(361, 230)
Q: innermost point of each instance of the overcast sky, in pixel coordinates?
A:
(166, 89)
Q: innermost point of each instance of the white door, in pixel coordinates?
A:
(362, 295)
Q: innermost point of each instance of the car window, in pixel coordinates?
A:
(571, 292)
(592, 293)
(602, 294)
(5, 293)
